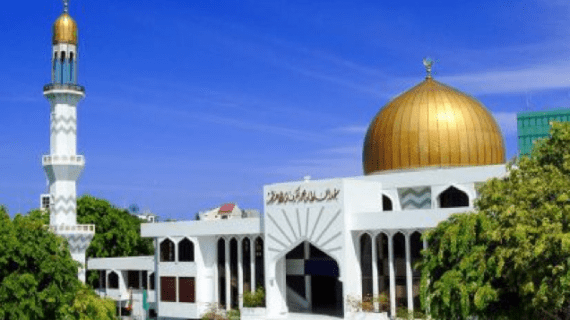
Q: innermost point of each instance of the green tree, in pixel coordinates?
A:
(87, 305)
(510, 259)
(117, 232)
(38, 276)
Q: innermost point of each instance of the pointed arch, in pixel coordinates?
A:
(186, 250)
(113, 280)
(453, 197)
(167, 250)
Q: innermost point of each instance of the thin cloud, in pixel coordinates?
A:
(513, 81)
(352, 129)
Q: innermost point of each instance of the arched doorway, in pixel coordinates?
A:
(312, 281)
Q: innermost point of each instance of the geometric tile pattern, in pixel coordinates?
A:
(415, 198)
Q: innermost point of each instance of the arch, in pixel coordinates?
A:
(453, 197)
(221, 254)
(167, 250)
(386, 203)
(186, 250)
(234, 272)
(366, 265)
(382, 266)
(246, 257)
(113, 280)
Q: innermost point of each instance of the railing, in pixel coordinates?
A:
(77, 228)
(59, 86)
(63, 159)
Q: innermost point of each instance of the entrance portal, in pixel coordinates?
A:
(312, 281)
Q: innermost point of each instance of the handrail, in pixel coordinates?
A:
(87, 228)
(67, 86)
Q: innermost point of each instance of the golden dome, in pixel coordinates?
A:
(432, 125)
(65, 30)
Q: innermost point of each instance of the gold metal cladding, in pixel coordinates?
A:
(65, 30)
(432, 124)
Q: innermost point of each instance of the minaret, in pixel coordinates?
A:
(63, 166)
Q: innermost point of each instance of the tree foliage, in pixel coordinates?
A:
(117, 231)
(510, 259)
(38, 276)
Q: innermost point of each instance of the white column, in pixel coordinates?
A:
(227, 270)
(425, 244)
(374, 272)
(308, 291)
(252, 261)
(240, 273)
(409, 273)
(141, 280)
(392, 275)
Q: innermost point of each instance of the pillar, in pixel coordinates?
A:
(374, 272)
(240, 273)
(409, 285)
(308, 291)
(252, 261)
(392, 275)
(228, 275)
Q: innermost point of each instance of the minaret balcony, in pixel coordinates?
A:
(63, 159)
(64, 87)
(77, 228)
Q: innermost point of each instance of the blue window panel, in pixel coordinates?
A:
(321, 268)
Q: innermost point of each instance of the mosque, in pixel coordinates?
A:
(317, 242)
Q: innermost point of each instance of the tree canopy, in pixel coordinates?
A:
(510, 259)
(38, 276)
(118, 233)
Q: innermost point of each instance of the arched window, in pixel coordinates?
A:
(453, 198)
(366, 266)
(167, 251)
(386, 203)
(185, 250)
(113, 280)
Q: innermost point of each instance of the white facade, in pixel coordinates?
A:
(333, 225)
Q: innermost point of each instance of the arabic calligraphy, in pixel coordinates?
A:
(298, 196)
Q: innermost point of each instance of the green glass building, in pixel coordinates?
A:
(535, 125)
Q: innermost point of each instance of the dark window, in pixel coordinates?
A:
(386, 203)
(145, 279)
(113, 281)
(185, 250)
(186, 289)
(151, 280)
(453, 198)
(297, 253)
(133, 278)
(152, 313)
(168, 289)
(71, 56)
(167, 251)
(102, 279)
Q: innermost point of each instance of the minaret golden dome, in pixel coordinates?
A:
(432, 125)
(65, 30)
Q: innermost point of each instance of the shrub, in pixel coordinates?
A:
(254, 300)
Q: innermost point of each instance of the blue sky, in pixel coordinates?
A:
(191, 104)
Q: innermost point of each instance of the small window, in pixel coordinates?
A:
(453, 198)
(167, 251)
(168, 289)
(113, 280)
(144, 279)
(185, 250)
(102, 279)
(151, 281)
(186, 289)
(133, 278)
(386, 203)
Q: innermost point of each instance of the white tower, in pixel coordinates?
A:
(63, 166)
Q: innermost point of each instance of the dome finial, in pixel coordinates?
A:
(65, 6)
(428, 63)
